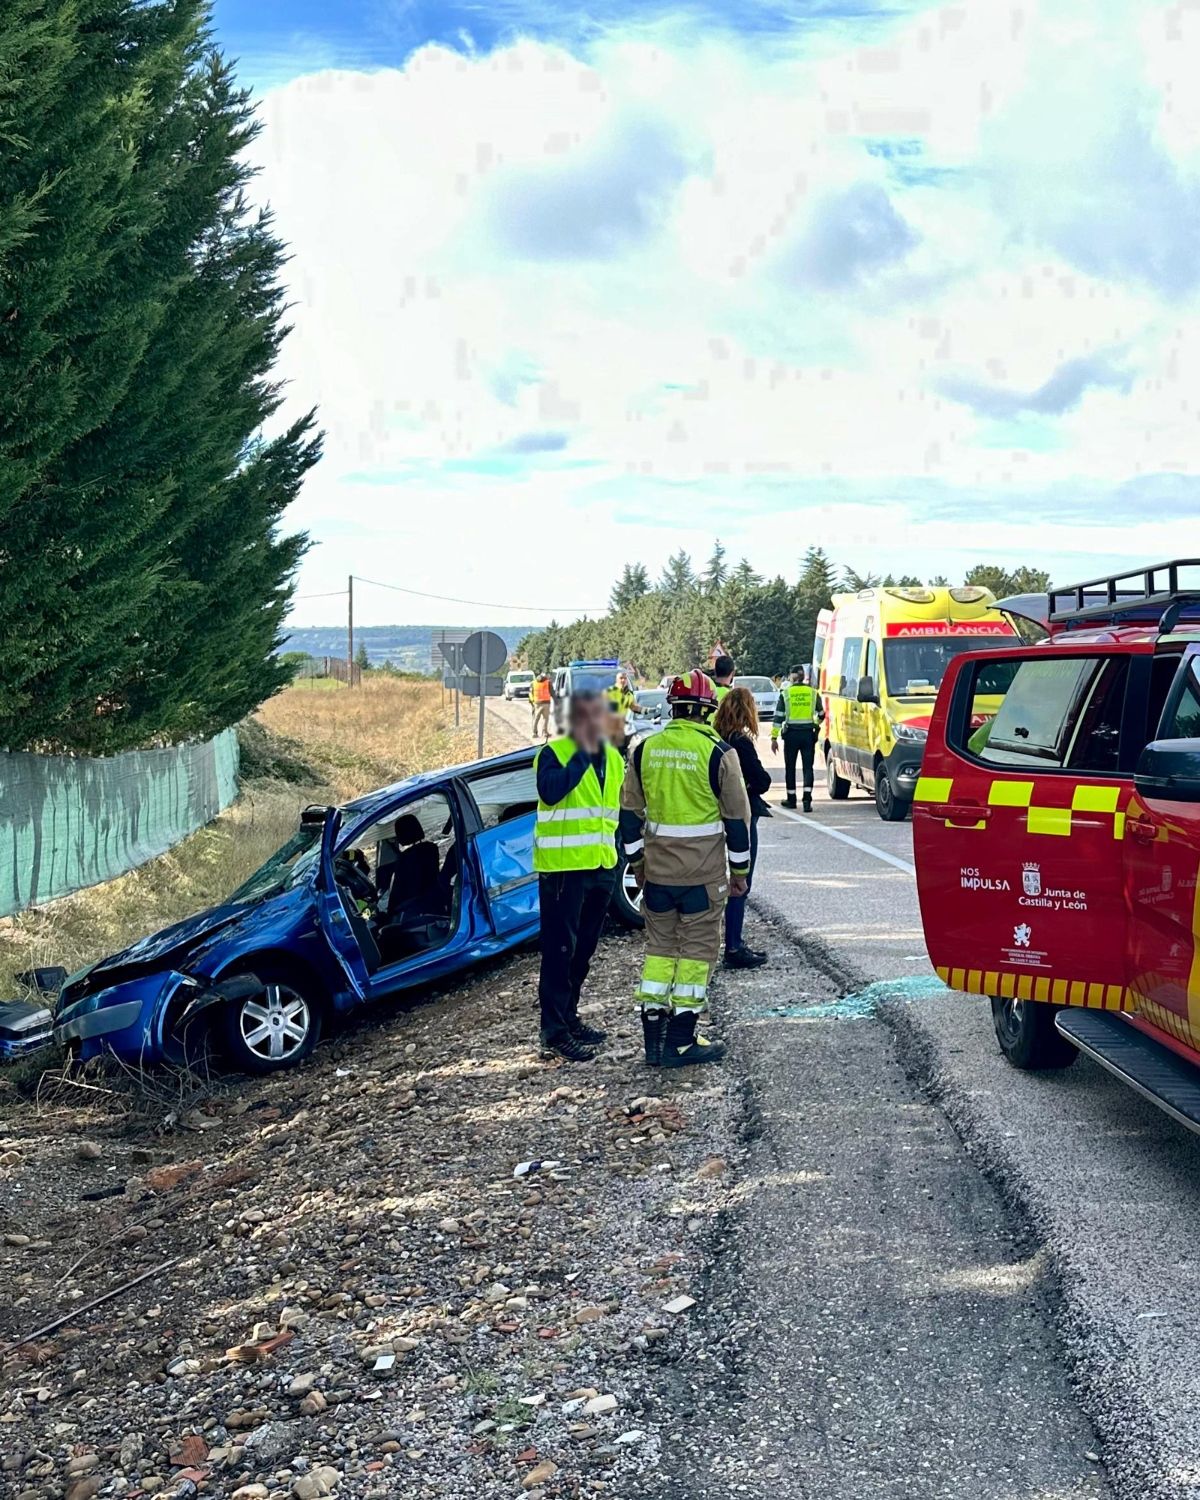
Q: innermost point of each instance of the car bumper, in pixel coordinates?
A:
(126, 1019)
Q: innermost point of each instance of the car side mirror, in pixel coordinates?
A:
(1169, 771)
(866, 690)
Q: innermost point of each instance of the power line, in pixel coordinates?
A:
(332, 594)
(562, 609)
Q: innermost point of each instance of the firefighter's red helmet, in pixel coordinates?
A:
(696, 687)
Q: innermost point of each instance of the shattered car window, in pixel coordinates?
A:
(285, 868)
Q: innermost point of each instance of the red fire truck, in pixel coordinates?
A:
(1057, 831)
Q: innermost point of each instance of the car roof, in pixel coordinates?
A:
(1140, 635)
(375, 803)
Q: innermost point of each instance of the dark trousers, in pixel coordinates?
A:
(574, 906)
(798, 740)
(735, 907)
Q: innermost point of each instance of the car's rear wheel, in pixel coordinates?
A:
(627, 899)
(275, 1028)
(1027, 1035)
(839, 787)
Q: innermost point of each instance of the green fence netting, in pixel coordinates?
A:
(68, 821)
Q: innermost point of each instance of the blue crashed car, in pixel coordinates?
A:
(402, 887)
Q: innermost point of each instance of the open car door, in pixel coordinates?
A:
(1018, 823)
(503, 800)
(335, 912)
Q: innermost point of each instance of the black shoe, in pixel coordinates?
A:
(654, 1034)
(684, 1046)
(808, 802)
(744, 958)
(789, 801)
(570, 1048)
(590, 1036)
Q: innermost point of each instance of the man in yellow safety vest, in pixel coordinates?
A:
(798, 715)
(579, 780)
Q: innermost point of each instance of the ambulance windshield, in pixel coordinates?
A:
(914, 667)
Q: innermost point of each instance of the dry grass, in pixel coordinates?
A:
(348, 742)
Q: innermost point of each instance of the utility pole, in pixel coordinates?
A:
(350, 631)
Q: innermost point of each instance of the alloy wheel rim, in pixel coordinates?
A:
(1011, 1017)
(276, 1025)
(632, 894)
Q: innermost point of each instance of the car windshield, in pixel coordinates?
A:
(592, 679)
(285, 868)
(915, 667)
(520, 677)
(755, 684)
(650, 700)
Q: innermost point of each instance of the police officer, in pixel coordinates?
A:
(685, 827)
(798, 714)
(575, 855)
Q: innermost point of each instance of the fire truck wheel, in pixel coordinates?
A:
(839, 787)
(1025, 1031)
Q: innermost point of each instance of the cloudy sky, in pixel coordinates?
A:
(919, 283)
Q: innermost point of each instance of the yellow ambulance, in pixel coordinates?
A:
(880, 666)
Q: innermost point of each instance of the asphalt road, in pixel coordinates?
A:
(943, 1278)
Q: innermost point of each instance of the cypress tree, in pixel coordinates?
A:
(143, 577)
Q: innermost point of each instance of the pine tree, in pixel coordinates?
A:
(716, 574)
(632, 585)
(678, 580)
(140, 317)
(744, 576)
(362, 657)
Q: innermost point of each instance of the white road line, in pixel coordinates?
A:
(845, 838)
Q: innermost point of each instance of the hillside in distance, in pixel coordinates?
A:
(408, 647)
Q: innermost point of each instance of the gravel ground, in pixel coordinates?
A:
(366, 1301)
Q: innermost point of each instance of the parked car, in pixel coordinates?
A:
(764, 692)
(518, 685)
(648, 711)
(410, 884)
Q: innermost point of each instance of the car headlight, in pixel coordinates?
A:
(910, 733)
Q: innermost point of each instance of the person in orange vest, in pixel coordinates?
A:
(539, 700)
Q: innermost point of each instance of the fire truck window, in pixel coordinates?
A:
(1052, 714)
(1185, 720)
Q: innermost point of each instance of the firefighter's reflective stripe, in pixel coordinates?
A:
(658, 975)
(1052, 822)
(684, 830)
(570, 814)
(690, 990)
(1009, 986)
(573, 840)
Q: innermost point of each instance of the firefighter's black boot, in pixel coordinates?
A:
(790, 800)
(808, 802)
(684, 1046)
(654, 1034)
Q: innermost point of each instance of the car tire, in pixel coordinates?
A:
(1027, 1036)
(839, 787)
(891, 809)
(626, 906)
(275, 1030)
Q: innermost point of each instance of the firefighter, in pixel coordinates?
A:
(685, 827)
(575, 855)
(539, 702)
(798, 715)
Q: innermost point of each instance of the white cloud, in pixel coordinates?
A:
(533, 285)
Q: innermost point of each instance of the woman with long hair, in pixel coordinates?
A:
(736, 721)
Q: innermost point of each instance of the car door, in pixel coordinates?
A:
(1018, 823)
(1162, 858)
(504, 802)
(333, 914)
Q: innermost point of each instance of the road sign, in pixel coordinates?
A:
(493, 686)
(484, 653)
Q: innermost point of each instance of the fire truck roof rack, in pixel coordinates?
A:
(1161, 594)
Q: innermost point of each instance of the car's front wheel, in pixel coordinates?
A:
(1028, 1037)
(839, 787)
(891, 809)
(275, 1028)
(627, 899)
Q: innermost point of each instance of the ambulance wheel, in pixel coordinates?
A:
(891, 809)
(839, 787)
(1027, 1036)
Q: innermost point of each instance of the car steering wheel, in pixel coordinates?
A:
(354, 872)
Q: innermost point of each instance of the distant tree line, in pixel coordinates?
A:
(143, 577)
(767, 626)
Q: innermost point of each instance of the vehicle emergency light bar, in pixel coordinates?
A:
(1159, 594)
(609, 662)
